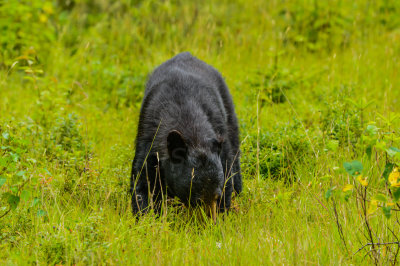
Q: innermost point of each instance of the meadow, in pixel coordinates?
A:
(316, 90)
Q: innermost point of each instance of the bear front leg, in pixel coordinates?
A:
(145, 183)
(225, 202)
(141, 170)
(237, 176)
(139, 191)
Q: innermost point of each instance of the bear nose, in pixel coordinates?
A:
(217, 193)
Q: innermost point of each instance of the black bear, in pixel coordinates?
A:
(187, 143)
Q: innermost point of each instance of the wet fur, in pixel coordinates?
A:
(190, 97)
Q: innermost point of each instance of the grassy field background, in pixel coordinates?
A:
(315, 86)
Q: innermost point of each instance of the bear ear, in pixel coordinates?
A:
(177, 148)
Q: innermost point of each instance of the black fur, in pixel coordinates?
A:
(187, 143)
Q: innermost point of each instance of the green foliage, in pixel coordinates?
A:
(388, 169)
(281, 151)
(2, 181)
(342, 120)
(25, 26)
(318, 25)
(67, 144)
(386, 211)
(275, 84)
(53, 250)
(13, 150)
(380, 189)
(353, 168)
(385, 13)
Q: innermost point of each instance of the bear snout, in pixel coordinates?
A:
(211, 193)
(217, 193)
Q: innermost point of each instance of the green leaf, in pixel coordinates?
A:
(20, 175)
(372, 130)
(368, 151)
(354, 168)
(2, 181)
(5, 135)
(395, 152)
(347, 195)
(328, 193)
(347, 166)
(14, 189)
(25, 195)
(12, 200)
(394, 149)
(391, 152)
(14, 156)
(380, 197)
(35, 202)
(396, 194)
(386, 211)
(388, 169)
(41, 213)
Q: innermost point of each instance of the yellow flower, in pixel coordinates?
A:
(347, 187)
(390, 204)
(394, 178)
(43, 18)
(47, 8)
(363, 180)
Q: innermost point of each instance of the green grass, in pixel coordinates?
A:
(71, 82)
